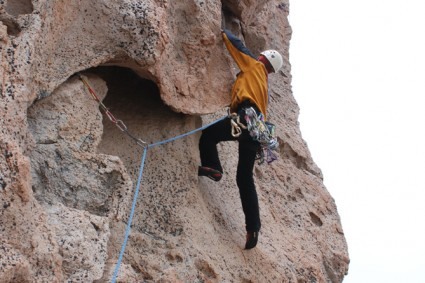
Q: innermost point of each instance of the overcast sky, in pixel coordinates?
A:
(359, 78)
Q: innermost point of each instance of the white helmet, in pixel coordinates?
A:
(274, 58)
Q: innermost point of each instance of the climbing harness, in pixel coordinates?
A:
(260, 130)
(120, 124)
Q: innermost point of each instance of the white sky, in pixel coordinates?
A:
(359, 78)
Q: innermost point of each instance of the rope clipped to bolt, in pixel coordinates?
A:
(120, 124)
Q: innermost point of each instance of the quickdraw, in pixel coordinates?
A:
(119, 123)
(237, 126)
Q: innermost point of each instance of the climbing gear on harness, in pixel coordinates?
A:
(251, 239)
(236, 124)
(265, 154)
(119, 123)
(274, 58)
(264, 133)
(211, 173)
(259, 130)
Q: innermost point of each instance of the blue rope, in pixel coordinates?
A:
(130, 218)
(186, 134)
(136, 193)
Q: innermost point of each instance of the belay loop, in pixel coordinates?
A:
(264, 133)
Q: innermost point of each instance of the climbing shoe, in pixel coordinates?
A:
(251, 239)
(210, 173)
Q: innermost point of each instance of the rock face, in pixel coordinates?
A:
(68, 174)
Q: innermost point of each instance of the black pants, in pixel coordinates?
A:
(221, 131)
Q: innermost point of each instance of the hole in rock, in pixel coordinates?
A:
(13, 28)
(135, 101)
(19, 7)
(316, 219)
(68, 168)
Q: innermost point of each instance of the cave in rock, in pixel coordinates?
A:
(135, 101)
(72, 137)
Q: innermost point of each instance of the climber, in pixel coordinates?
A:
(249, 90)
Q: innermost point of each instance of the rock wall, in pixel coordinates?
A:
(67, 174)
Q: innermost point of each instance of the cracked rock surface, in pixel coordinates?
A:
(68, 173)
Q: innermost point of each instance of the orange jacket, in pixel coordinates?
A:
(251, 83)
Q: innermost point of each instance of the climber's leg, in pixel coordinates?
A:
(210, 137)
(247, 191)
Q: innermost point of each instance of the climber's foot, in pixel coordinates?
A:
(251, 239)
(210, 173)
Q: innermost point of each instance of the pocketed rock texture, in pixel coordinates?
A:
(68, 174)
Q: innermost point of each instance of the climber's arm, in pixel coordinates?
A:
(239, 52)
